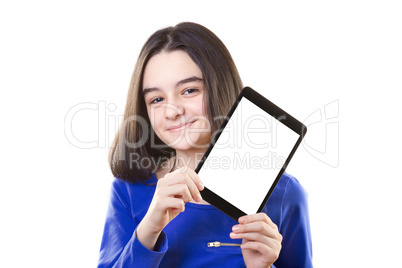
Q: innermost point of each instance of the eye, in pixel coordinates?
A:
(156, 100)
(189, 91)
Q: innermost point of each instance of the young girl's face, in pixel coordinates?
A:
(173, 88)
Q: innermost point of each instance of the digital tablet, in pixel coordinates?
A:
(248, 155)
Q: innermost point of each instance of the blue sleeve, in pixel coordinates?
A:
(295, 228)
(120, 246)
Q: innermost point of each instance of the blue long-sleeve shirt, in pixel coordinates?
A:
(184, 241)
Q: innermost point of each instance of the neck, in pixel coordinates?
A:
(188, 158)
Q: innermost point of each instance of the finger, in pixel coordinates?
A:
(176, 178)
(258, 217)
(170, 203)
(257, 227)
(194, 176)
(269, 254)
(192, 180)
(258, 237)
(175, 204)
(180, 191)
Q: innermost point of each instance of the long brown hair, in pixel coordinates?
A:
(136, 138)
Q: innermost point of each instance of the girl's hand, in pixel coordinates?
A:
(172, 192)
(261, 240)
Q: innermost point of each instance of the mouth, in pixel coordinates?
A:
(180, 127)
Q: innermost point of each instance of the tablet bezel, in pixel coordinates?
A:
(279, 114)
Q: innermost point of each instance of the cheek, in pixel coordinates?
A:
(156, 117)
(153, 118)
(202, 107)
(203, 122)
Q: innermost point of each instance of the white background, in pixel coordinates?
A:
(302, 55)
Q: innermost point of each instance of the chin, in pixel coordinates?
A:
(187, 147)
(185, 144)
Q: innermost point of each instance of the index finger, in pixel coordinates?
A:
(194, 176)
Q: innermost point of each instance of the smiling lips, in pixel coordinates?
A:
(180, 127)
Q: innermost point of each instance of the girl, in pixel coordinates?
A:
(183, 85)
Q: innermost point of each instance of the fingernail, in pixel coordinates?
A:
(201, 186)
(199, 198)
(242, 220)
(235, 228)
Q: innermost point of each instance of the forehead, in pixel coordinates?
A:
(165, 69)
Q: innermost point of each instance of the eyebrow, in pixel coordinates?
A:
(184, 81)
(188, 80)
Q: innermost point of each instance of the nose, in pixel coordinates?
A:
(173, 110)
